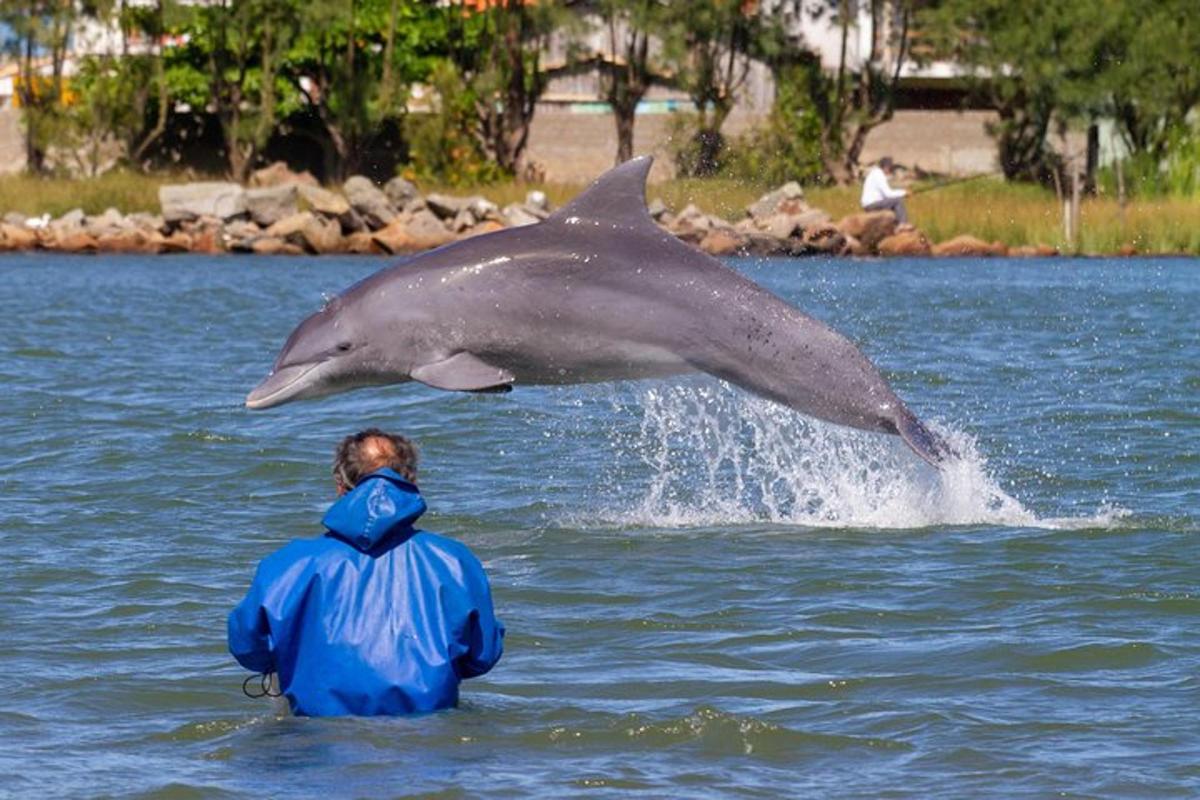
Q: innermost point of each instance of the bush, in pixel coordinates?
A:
(440, 145)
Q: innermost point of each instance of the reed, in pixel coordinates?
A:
(125, 191)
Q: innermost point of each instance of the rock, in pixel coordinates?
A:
(14, 218)
(323, 201)
(362, 243)
(109, 222)
(657, 209)
(518, 215)
(769, 203)
(781, 226)
(904, 243)
(445, 206)
(75, 218)
(1125, 251)
(74, 242)
(482, 209)
(188, 201)
(371, 204)
(869, 228)
(487, 226)
(145, 221)
(826, 238)
(205, 240)
(400, 192)
(271, 246)
(269, 204)
(969, 246)
(538, 203)
(177, 242)
(279, 174)
(422, 231)
(761, 244)
(691, 225)
(310, 231)
(132, 240)
(722, 242)
(463, 221)
(17, 237)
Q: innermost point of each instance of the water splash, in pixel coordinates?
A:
(704, 454)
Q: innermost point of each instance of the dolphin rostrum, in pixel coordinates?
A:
(596, 292)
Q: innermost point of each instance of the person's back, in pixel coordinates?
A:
(375, 617)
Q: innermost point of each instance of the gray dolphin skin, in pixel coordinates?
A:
(596, 292)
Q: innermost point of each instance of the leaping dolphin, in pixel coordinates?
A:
(596, 292)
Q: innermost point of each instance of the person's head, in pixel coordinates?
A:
(360, 454)
(887, 165)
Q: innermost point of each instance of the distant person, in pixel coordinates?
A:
(375, 616)
(878, 195)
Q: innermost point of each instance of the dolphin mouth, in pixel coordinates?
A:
(282, 385)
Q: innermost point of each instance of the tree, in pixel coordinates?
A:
(626, 73)
(1039, 63)
(712, 44)
(40, 29)
(497, 48)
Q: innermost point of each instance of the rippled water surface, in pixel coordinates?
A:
(705, 594)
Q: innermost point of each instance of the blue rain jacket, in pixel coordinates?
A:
(374, 617)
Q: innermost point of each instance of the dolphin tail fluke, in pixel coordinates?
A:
(924, 442)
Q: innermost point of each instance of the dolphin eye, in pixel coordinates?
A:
(344, 346)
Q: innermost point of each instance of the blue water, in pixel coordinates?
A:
(706, 595)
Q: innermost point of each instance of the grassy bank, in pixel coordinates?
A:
(989, 209)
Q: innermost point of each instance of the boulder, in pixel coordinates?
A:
(73, 242)
(445, 206)
(314, 233)
(781, 226)
(969, 246)
(369, 201)
(189, 201)
(482, 208)
(323, 201)
(422, 231)
(691, 225)
(869, 228)
(205, 240)
(487, 226)
(271, 246)
(177, 242)
(656, 209)
(518, 215)
(722, 242)
(109, 222)
(769, 203)
(400, 192)
(73, 219)
(279, 174)
(1039, 251)
(14, 218)
(17, 237)
(827, 238)
(131, 240)
(269, 204)
(463, 220)
(362, 243)
(904, 243)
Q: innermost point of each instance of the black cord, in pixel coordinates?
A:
(264, 687)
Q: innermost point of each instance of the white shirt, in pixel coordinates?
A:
(876, 188)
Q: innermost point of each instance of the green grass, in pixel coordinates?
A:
(989, 209)
(124, 191)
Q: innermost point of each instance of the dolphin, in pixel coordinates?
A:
(596, 292)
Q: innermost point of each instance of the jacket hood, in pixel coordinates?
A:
(383, 505)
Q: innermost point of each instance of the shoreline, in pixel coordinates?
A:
(286, 213)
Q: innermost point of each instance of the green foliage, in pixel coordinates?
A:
(442, 148)
(788, 146)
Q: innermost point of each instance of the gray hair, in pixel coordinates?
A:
(362, 453)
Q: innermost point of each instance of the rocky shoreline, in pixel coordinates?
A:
(286, 213)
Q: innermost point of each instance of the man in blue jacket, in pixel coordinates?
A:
(374, 617)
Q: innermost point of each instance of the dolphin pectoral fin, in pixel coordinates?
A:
(924, 442)
(464, 372)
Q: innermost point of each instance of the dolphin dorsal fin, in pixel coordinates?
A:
(617, 197)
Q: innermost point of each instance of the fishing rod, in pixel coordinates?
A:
(954, 182)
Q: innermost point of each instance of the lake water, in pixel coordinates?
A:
(705, 594)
